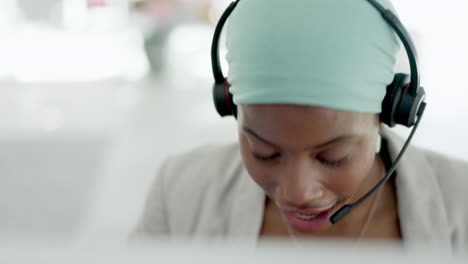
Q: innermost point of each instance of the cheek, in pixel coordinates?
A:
(259, 173)
(347, 180)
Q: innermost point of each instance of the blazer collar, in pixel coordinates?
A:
(420, 202)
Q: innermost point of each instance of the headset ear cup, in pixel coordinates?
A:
(223, 99)
(392, 99)
(408, 108)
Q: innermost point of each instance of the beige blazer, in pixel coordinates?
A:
(208, 193)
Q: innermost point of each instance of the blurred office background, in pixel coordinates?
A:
(95, 93)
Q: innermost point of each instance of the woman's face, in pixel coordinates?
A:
(309, 160)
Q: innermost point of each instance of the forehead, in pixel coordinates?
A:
(299, 121)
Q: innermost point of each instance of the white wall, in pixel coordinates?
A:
(442, 40)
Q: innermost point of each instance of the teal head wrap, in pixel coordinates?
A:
(338, 54)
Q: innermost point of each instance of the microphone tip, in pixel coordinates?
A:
(345, 210)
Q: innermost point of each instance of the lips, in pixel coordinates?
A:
(308, 220)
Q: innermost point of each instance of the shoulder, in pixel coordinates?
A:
(452, 176)
(188, 190)
(201, 165)
(445, 176)
(451, 173)
(205, 174)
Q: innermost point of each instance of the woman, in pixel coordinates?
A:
(309, 79)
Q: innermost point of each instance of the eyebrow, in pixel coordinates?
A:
(321, 145)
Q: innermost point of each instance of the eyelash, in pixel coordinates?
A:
(334, 163)
(331, 164)
(265, 158)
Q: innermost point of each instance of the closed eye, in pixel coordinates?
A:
(265, 158)
(333, 163)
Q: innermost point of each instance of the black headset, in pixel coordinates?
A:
(401, 103)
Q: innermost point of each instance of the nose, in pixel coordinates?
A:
(299, 186)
